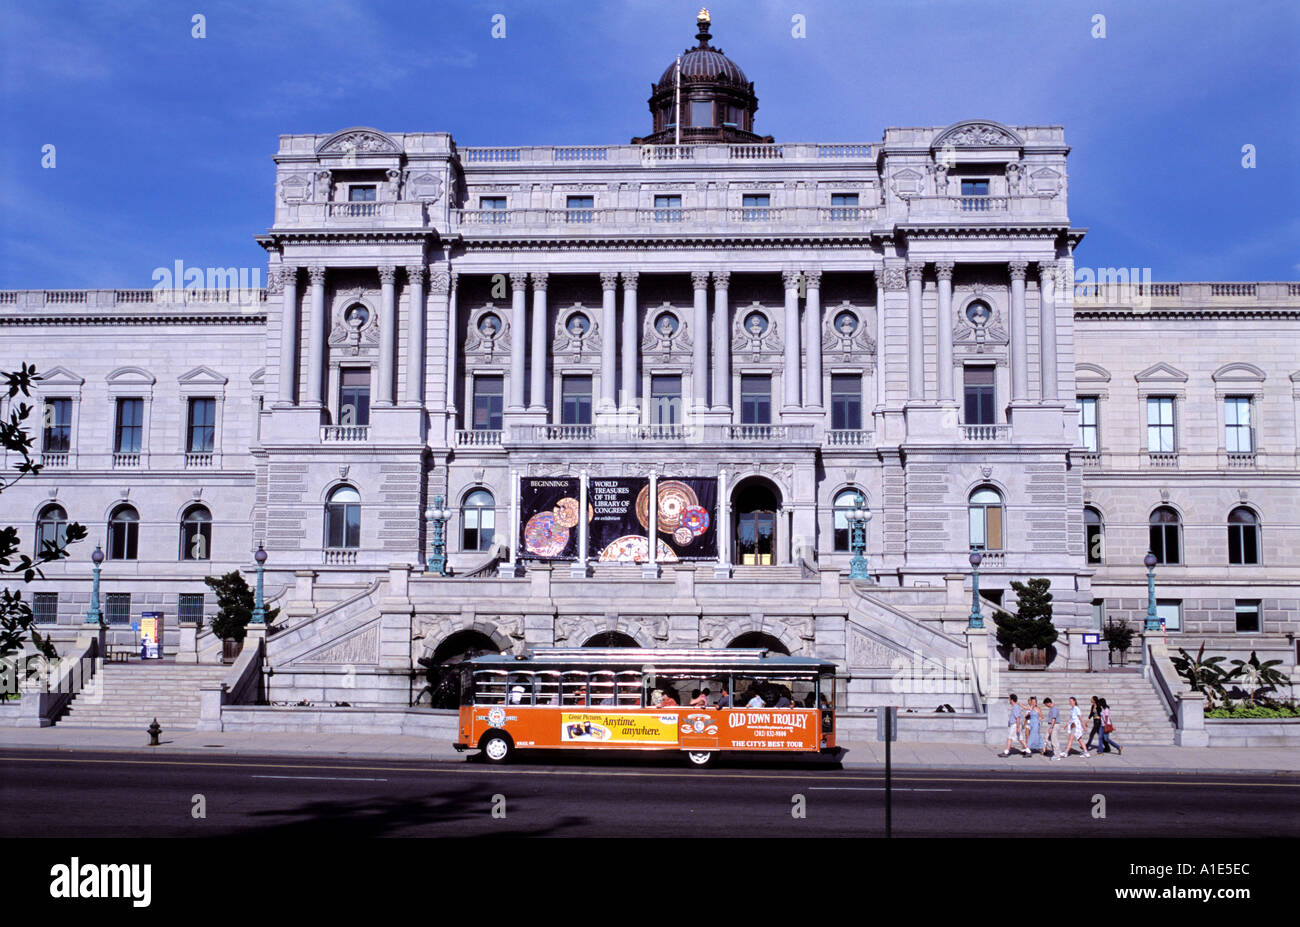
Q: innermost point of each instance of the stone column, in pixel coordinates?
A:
(518, 329)
(721, 341)
(436, 305)
(813, 324)
(387, 333)
(453, 348)
(1047, 328)
(316, 338)
(537, 388)
(790, 374)
(943, 270)
(608, 344)
(631, 342)
(414, 392)
(1019, 335)
(880, 337)
(915, 333)
(289, 335)
(700, 343)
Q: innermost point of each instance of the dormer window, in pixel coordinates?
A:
(362, 193)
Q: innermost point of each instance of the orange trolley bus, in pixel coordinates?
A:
(698, 702)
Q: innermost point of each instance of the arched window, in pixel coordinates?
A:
(123, 533)
(986, 519)
(51, 527)
(842, 508)
(478, 519)
(1166, 528)
(196, 534)
(343, 518)
(1092, 534)
(1243, 536)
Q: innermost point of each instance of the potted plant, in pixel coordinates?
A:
(1029, 633)
(1119, 636)
(235, 603)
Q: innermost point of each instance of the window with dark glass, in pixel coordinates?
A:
(975, 186)
(580, 208)
(51, 527)
(846, 401)
(665, 399)
(117, 608)
(844, 206)
(354, 396)
(575, 401)
(1089, 437)
(1247, 614)
(979, 394)
(755, 399)
(202, 425)
(668, 208)
(45, 607)
(56, 436)
(487, 403)
(362, 193)
(1092, 534)
(755, 205)
(1239, 438)
(1160, 424)
(129, 433)
(491, 202)
(343, 518)
(190, 609)
(196, 534)
(1243, 536)
(1166, 528)
(478, 521)
(701, 112)
(123, 533)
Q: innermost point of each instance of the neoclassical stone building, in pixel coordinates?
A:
(787, 324)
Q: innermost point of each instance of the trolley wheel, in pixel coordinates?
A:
(700, 758)
(496, 747)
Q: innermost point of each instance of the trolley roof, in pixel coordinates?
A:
(731, 659)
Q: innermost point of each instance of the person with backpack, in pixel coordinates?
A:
(1107, 727)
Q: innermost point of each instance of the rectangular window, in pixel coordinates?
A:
(979, 395)
(846, 401)
(755, 399)
(45, 607)
(56, 437)
(975, 186)
(844, 206)
(202, 428)
(755, 206)
(354, 396)
(190, 608)
(491, 202)
(117, 608)
(701, 112)
(580, 209)
(129, 434)
(1248, 620)
(668, 208)
(1089, 437)
(575, 401)
(1098, 613)
(1236, 416)
(362, 193)
(1160, 424)
(1170, 613)
(665, 399)
(487, 403)
(734, 116)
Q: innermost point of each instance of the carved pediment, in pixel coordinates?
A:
(358, 140)
(59, 376)
(907, 182)
(1239, 372)
(976, 133)
(1161, 373)
(296, 188)
(203, 375)
(1090, 373)
(1045, 180)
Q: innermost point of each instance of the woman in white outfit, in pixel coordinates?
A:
(1076, 730)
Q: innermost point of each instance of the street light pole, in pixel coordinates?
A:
(93, 614)
(259, 608)
(438, 516)
(976, 620)
(858, 566)
(1153, 622)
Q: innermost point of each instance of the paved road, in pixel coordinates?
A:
(92, 794)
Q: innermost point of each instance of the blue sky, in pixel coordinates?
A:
(164, 142)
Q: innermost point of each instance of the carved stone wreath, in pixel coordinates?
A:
(479, 344)
(345, 331)
(567, 341)
(836, 342)
(656, 341)
(768, 342)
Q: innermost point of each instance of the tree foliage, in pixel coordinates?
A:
(235, 604)
(1031, 626)
(1202, 673)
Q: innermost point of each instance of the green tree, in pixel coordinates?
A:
(1202, 674)
(1259, 677)
(1031, 626)
(235, 604)
(17, 623)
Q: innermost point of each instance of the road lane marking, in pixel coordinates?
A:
(325, 778)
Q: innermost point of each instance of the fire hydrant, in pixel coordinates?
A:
(154, 730)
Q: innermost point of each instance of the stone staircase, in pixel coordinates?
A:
(132, 694)
(1137, 711)
(771, 574)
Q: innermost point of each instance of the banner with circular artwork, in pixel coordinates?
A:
(620, 525)
(548, 518)
(687, 515)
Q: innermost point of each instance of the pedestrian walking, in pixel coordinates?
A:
(1033, 724)
(1015, 727)
(1094, 719)
(1107, 727)
(1053, 719)
(1076, 730)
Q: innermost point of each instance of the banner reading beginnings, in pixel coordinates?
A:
(548, 518)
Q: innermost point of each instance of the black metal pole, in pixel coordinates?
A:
(889, 774)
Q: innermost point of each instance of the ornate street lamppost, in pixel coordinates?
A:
(438, 515)
(860, 515)
(976, 620)
(259, 608)
(93, 614)
(1153, 622)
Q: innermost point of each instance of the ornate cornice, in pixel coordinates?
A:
(241, 318)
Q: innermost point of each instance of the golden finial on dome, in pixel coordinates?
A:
(703, 17)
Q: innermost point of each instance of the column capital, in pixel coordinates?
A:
(317, 274)
(1017, 269)
(387, 273)
(629, 279)
(538, 277)
(700, 279)
(1047, 270)
(894, 278)
(518, 280)
(415, 273)
(609, 280)
(275, 278)
(440, 282)
(915, 270)
(813, 277)
(721, 279)
(791, 278)
(943, 269)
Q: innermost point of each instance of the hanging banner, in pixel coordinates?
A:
(687, 514)
(617, 534)
(548, 518)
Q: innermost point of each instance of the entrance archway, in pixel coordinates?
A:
(759, 639)
(610, 639)
(443, 680)
(755, 506)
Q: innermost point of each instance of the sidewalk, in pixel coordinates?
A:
(859, 754)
